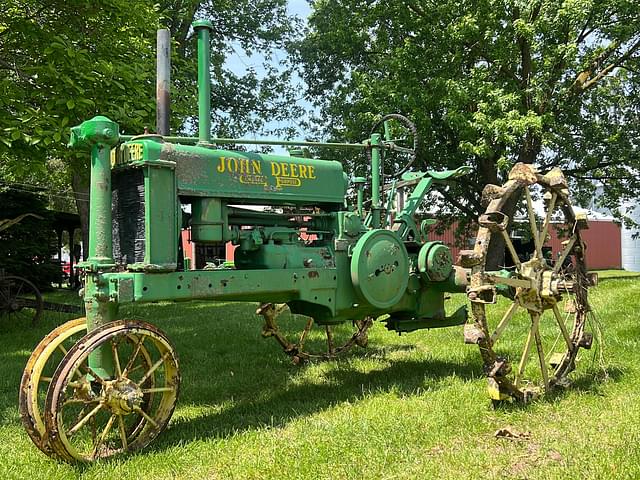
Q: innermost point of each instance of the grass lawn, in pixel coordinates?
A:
(607, 274)
(407, 407)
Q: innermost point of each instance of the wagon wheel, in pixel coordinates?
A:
(20, 300)
(92, 414)
(270, 312)
(400, 137)
(37, 377)
(547, 309)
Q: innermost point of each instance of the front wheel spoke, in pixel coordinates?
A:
(116, 359)
(153, 368)
(147, 417)
(91, 372)
(504, 322)
(127, 369)
(158, 389)
(134, 369)
(84, 420)
(563, 327)
(123, 432)
(103, 435)
(75, 401)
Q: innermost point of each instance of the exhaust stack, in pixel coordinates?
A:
(163, 82)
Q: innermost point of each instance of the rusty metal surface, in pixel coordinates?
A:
(531, 297)
(163, 81)
(112, 391)
(28, 389)
(270, 312)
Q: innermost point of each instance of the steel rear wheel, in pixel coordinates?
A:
(297, 350)
(93, 414)
(37, 376)
(532, 346)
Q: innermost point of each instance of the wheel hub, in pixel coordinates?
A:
(122, 396)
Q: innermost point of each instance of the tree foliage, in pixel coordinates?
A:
(62, 62)
(489, 83)
(244, 101)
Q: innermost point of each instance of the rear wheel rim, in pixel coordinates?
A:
(532, 347)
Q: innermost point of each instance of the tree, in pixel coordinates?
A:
(64, 62)
(250, 101)
(489, 83)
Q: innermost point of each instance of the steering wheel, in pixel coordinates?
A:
(400, 136)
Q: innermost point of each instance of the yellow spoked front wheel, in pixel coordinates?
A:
(113, 392)
(37, 376)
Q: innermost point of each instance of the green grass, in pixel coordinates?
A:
(607, 274)
(407, 407)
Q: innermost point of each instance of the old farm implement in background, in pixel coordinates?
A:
(100, 386)
(20, 300)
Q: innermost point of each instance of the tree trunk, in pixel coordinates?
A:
(80, 185)
(529, 151)
(496, 251)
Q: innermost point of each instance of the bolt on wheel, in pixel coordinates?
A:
(96, 409)
(37, 376)
(533, 345)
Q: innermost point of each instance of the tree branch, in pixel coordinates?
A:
(605, 71)
(455, 202)
(603, 177)
(415, 8)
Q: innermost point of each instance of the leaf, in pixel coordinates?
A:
(70, 104)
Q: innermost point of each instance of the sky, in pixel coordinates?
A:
(238, 62)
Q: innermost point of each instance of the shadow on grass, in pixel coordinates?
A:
(278, 406)
(241, 382)
(590, 382)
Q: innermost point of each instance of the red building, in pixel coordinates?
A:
(603, 240)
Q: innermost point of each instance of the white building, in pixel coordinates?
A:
(631, 245)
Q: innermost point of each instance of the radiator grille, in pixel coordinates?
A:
(127, 210)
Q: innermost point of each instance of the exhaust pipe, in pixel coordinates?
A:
(163, 82)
